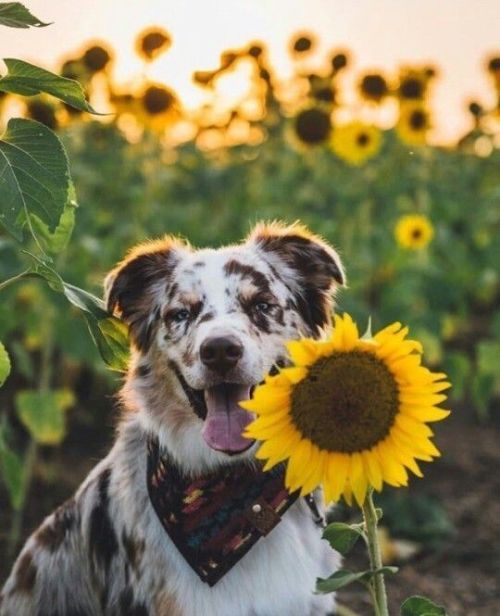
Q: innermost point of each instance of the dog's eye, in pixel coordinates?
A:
(264, 307)
(180, 315)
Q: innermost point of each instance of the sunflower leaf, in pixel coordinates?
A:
(368, 335)
(12, 469)
(16, 15)
(421, 606)
(27, 80)
(343, 577)
(34, 176)
(43, 414)
(4, 364)
(342, 537)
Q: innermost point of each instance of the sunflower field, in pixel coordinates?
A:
(416, 224)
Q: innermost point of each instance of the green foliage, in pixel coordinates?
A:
(43, 414)
(422, 519)
(4, 364)
(36, 177)
(27, 80)
(12, 469)
(342, 537)
(343, 577)
(15, 15)
(421, 606)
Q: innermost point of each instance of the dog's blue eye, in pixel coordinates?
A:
(180, 315)
(263, 307)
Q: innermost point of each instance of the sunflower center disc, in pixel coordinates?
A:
(347, 402)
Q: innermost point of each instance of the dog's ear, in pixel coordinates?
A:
(135, 288)
(308, 266)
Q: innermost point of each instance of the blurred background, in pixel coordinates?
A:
(377, 124)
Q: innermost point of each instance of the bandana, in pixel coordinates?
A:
(215, 520)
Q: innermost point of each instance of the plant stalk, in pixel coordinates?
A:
(377, 582)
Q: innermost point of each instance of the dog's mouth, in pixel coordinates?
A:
(224, 419)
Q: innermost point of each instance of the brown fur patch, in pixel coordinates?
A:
(259, 280)
(134, 549)
(166, 604)
(26, 572)
(52, 534)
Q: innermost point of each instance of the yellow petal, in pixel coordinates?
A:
(336, 470)
(301, 354)
(297, 464)
(390, 330)
(392, 471)
(424, 413)
(429, 388)
(372, 469)
(350, 333)
(405, 459)
(312, 478)
(412, 427)
(409, 449)
(418, 444)
(421, 400)
(294, 374)
(357, 478)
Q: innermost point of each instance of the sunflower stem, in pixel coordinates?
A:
(378, 584)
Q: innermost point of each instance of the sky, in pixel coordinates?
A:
(456, 35)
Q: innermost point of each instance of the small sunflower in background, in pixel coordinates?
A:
(493, 67)
(96, 58)
(339, 61)
(356, 142)
(312, 126)
(414, 83)
(42, 110)
(152, 42)
(413, 124)
(321, 89)
(159, 107)
(414, 231)
(350, 413)
(302, 43)
(373, 87)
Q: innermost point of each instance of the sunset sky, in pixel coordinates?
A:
(457, 35)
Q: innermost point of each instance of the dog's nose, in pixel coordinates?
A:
(221, 353)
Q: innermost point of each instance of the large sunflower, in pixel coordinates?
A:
(350, 413)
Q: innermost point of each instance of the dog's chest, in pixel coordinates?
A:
(276, 577)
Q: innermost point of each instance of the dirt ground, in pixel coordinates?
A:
(463, 574)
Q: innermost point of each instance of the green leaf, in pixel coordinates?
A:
(34, 177)
(15, 15)
(342, 537)
(488, 352)
(12, 469)
(4, 364)
(43, 414)
(58, 240)
(109, 334)
(421, 606)
(457, 366)
(27, 80)
(343, 577)
(338, 580)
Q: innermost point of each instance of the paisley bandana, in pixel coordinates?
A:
(215, 520)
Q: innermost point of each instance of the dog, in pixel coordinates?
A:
(138, 536)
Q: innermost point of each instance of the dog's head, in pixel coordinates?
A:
(212, 323)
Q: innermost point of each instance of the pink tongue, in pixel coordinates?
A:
(226, 420)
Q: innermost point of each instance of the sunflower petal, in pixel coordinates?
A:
(300, 353)
(336, 471)
(424, 413)
(357, 478)
(372, 469)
